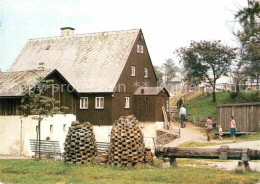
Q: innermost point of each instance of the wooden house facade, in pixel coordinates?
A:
(105, 69)
(12, 84)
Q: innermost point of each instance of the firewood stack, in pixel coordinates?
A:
(80, 144)
(127, 146)
(148, 156)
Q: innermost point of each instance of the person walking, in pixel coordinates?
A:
(208, 128)
(182, 114)
(233, 128)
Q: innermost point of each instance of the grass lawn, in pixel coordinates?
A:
(192, 144)
(48, 171)
(203, 106)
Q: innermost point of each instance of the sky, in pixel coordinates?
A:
(167, 24)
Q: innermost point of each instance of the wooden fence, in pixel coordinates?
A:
(246, 115)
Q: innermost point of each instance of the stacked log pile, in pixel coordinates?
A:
(163, 137)
(80, 144)
(127, 146)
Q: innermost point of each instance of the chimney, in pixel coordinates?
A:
(67, 31)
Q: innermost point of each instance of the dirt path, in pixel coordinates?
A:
(194, 134)
(189, 133)
(13, 157)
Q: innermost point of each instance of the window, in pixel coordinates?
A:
(145, 72)
(51, 128)
(84, 103)
(99, 103)
(64, 128)
(132, 70)
(127, 102)
(140, 49)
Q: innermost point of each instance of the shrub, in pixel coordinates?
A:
(254, 97)
(233, 95)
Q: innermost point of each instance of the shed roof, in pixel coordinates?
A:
(90, 62)
(150, 91)
(11, 83)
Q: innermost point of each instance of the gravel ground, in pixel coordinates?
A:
(13, 157)
(193, 133)
(189, 133)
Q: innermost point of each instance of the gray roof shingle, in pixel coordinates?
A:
(11, 83)
(150, 91)
(90, 62)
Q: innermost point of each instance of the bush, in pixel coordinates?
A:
(233, 95)
(255, 96)
(247, 97)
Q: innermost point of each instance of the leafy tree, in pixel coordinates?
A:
(169, 70)
(249, 38)
(159, 75)
(202, 58)
(238, 72)
(40, 103)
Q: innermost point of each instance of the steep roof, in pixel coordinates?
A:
(90, 62)
(11, 83)
(150, 91)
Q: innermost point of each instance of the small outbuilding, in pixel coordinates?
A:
(148, 103)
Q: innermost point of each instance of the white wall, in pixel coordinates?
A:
(15, 132)
(102, 133)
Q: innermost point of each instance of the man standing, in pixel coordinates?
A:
(183, 116)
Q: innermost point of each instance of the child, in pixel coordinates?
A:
(220, 133)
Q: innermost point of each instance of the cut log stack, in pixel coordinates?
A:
(148, 156)
(80, 144)
(127, 146)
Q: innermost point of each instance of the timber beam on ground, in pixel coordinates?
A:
(224, 153)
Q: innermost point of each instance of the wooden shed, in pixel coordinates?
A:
(246, 115)
(148, 103)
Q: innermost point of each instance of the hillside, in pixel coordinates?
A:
(203, 106)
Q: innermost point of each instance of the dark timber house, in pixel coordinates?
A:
(107, 71)
(11, 92)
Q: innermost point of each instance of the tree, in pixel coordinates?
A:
(159, 75)
(249, 38)
(40, 103)
(202, 58)
(169, 70)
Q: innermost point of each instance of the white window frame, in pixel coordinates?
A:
(145, 72)
(98, 102)
(132, 71)
(127, 102)
(84, 103)
(140, 49)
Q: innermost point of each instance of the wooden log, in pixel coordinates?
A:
(205, 153)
